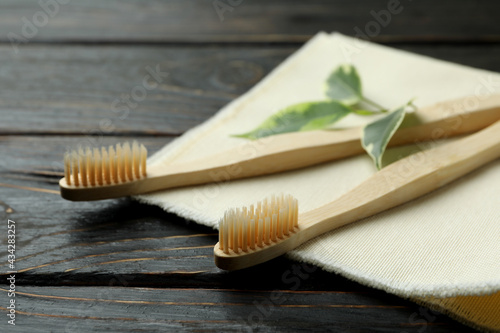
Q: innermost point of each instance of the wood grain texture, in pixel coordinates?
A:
(97, 309)
(249, 21)
(124, 90)
(107, 252)
(87, 91)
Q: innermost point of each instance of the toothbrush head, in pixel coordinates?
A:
(86, 167)
(244, 233)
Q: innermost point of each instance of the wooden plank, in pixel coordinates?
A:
(120, 243)
(245, 21)
(115, 90)
(83, 90)
(160, 309)
(473, 55)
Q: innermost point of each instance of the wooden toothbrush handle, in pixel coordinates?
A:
(297, 150)
(406, 179)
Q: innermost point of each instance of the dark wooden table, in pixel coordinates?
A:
(67, 75)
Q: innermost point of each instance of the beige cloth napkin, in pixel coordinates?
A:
(442, 249)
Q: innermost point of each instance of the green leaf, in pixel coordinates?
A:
(344, 85)
(323, 122)
(300, 117)
(377, 134)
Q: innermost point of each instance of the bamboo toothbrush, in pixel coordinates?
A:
(95, 174)
(253, 235)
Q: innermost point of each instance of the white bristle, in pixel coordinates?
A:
(144, 156)
(266, 223)
(244, 233)
(83, 166)
(267, 230)
(90, 166)
(129, 164)
(67, 167)
(97, 167)
(106, 172)
(119, 164)
(74, 168)
(260, 231)
(136, 157)
(251, 236)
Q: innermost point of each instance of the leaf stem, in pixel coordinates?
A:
(372, 103)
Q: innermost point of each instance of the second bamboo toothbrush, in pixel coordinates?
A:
(255, 234)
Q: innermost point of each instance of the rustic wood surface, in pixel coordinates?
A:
(118, 265)
(255, 21)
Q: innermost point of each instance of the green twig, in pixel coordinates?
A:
(372, 103)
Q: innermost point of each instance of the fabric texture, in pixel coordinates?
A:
(441, 250)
